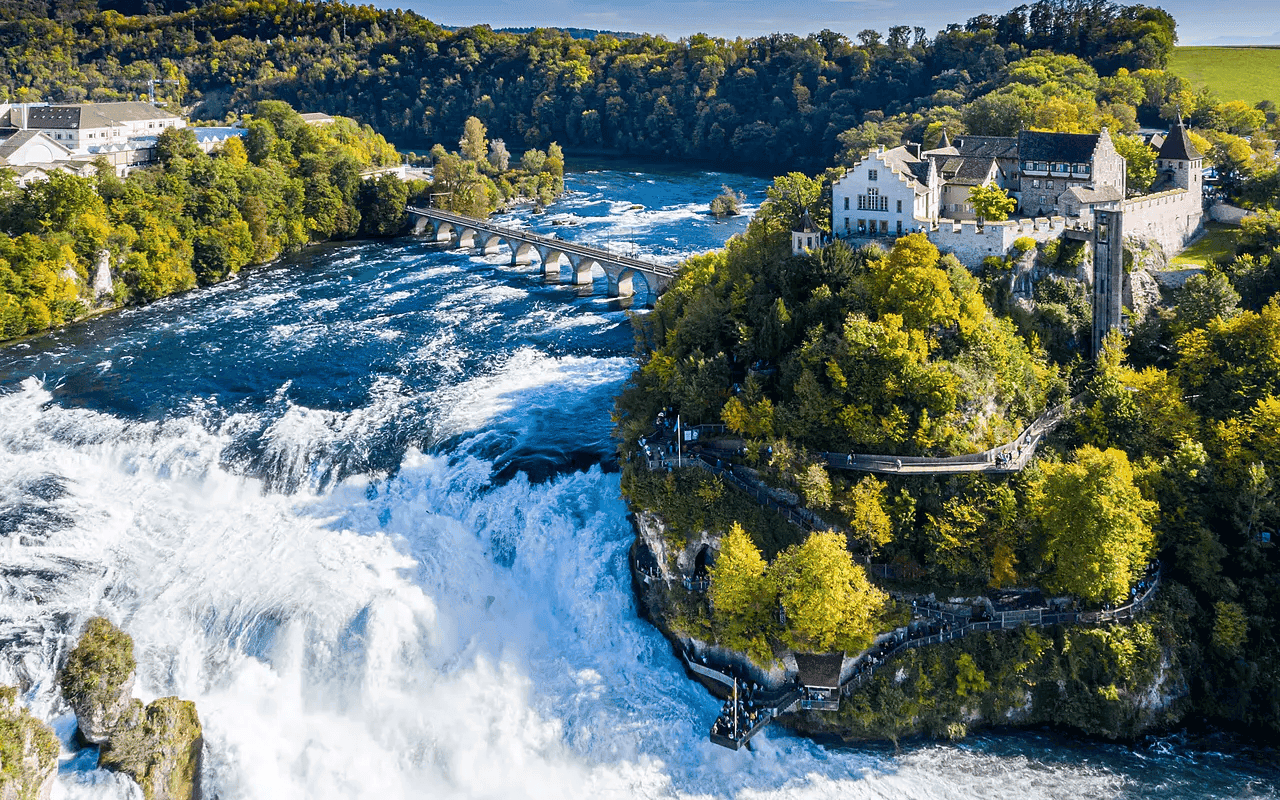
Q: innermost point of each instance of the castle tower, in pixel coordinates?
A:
(1108, 273)
(807, 237)
(1179, 162)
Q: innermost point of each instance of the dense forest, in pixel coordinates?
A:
(764, 103)
(1171, 453)
(769, 101)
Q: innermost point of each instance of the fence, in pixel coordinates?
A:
(1002, 620)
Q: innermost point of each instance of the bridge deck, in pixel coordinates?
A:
(562, 245)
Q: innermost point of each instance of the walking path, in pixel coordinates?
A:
(752, 706)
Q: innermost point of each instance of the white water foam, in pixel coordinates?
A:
(368, 642)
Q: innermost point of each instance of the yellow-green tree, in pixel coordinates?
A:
(828, 602)
(741, 598)
(864, 505)
(473, 145)
(991, 203)
(1096, 525)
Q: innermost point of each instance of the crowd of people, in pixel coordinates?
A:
(739, 713)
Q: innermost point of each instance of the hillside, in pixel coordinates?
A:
(1250, 74)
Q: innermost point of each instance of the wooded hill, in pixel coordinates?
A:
(774, 100)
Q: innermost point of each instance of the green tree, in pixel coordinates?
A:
(1205, 297)
(1140, 162)
(991, 203)
(383, 206)
(1095, 523)
(473, 145)
(828, 602)
(1230, 627)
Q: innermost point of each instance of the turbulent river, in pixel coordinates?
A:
(360, 506)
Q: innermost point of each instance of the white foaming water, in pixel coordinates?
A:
(368, 643)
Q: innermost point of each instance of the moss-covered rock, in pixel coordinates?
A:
(97, 681)
(159, 748)
(159, 745)
(28, 751)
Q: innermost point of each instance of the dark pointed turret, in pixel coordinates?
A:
(1177, 145)
(945, 141)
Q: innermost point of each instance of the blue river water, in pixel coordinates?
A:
(361, 506)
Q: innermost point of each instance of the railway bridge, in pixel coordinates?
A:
(559, 257)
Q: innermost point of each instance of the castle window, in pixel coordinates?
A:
(899, 227)
(1035, 184)
(1048, 184)
(846, 204)
(899, 207)
(873, 174)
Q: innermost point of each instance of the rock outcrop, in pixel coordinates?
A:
(103, 287)
(97, 681)
(159, 748)
(158, 745)
(28, 751)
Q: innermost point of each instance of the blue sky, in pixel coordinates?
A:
(1199, 21)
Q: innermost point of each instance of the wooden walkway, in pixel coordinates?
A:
(935, 623)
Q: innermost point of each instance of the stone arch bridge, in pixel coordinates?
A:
(626, 275)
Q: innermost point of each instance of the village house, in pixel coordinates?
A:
(37, 138)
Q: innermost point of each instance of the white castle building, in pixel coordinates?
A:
(1057, 179)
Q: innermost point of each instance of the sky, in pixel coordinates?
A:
(1200, 22)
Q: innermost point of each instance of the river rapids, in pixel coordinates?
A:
(362, 507)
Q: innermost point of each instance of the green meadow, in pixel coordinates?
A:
(1251, 74)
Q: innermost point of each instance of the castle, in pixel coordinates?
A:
(1059, 181)
(1065, 184)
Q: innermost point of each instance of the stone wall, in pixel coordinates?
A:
(1171, 219)
(971, 244)
(1225, 212)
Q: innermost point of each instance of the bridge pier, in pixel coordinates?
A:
(621, 284)
(582, 270)
(521, 254)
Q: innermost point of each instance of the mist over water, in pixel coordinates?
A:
(361, 507)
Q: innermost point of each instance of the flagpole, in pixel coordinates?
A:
(679, 451)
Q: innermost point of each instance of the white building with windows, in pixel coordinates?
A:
(887, 193)
(69, 137)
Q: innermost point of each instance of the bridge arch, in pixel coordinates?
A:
(467, 237)
(583, 270)
(522, 253)
(443, 232)
(490, 243)
(551, 259)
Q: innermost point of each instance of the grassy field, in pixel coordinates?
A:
(1251, 74)
(1217, 240)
